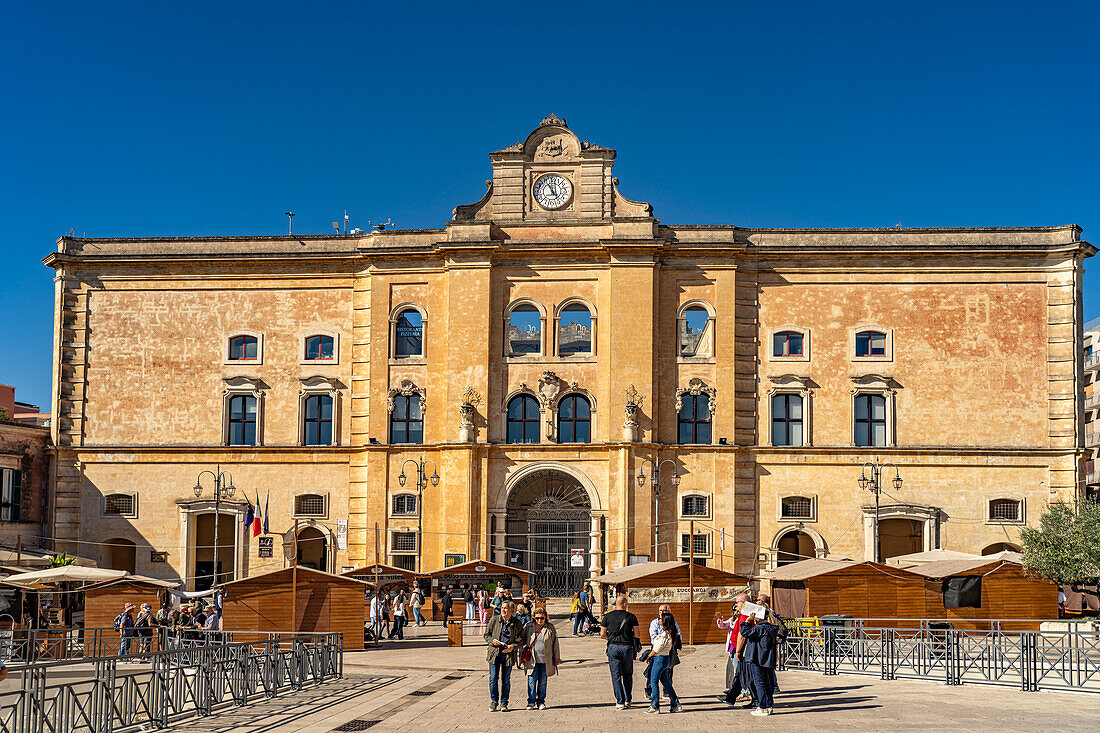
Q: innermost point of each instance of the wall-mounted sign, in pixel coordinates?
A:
(576, 558)
(155, 556)
(480, 568)
(267, 546)
(673, 594)
(341, 534)
(450, 560)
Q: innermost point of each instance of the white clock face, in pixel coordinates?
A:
(553, 191)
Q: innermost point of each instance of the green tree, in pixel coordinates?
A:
(1066, 546)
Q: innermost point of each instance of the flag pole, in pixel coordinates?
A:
(691, 582)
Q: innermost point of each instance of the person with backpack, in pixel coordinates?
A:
(664, 633)
(143, 628)
(759, 654)
(446, 603)
(417, 602)
(620, 628)
(471, 603)
(124, 624)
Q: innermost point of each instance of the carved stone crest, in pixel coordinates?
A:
(633, 403)
(553, 119)
(549, 386)
(471, 397)
(551, 147)
(695, 388)
(407, 388)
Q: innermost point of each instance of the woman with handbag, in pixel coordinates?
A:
(541, 657)
(660, 673)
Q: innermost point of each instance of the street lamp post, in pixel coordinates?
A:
(421, 483)
(223, 486)
(873, 483)
(656, 482)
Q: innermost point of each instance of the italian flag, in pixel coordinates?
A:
(256, 519)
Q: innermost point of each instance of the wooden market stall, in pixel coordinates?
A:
(476, 574)
(650, 584)
(388, 577)
(104, 601)
(315, 600)
(960, 591)
(820, 587)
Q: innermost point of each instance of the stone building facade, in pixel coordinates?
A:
(760, 369)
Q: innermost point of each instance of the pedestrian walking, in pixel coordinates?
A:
(483, 605)
(446, 603)
(620, 628)
(780, 637)
(541, 657)
(760, 655)
(143, 628)
(376, 617)
(576, 610)
(503, 635)
(677, 644)
(498, 601)
(417, 602)
(470, 599)
(384, 605)
(523, 614)
(738, 685)
(399, 603)
(664, 647)
(124, 624)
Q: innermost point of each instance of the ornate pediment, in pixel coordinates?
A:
(879, 382)
(407, 388)
(695, 388)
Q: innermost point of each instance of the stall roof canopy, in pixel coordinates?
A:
(649, 569)
(304, 573)
(471, 567)
(919, 558)
(382, 570)
(806, 569)
(37, 557)
(948, 568)
(64, 574)
(138, 579)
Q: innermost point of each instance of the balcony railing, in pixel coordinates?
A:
(1092, 361)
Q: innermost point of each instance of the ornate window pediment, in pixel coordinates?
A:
(695, 388)
(873, 382)
(407, 388)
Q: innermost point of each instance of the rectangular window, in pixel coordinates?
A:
(694, 506)
(797, 507)
(404, 562)
(404, 542)
(870, 343)
(118, 505)
(870, 423)
(404, 504)
(309, 505)
(787, 419)
(11, 494)
(787, 343)
(1004, 510)
(702, 544)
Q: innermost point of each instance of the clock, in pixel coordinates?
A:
(553, 191)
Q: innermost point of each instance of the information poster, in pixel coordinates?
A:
(679, 594)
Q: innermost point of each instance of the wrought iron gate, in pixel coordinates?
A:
(549, 515)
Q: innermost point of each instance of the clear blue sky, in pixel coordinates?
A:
(215, 118)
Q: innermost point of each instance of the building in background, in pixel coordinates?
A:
(24, 480)
(540, 355)
(1091, 342)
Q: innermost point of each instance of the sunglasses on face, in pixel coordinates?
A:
(540, 618)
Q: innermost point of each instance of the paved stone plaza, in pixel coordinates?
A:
(421, 685)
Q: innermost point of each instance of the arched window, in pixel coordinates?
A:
(694, 419)
(318, 420)
(870, 420)
(696, 331)
(574, 419)
(574, 330)
(242, 420)
(524, 337)
(999, 547)
(407, 420)
(786, 419)
(408, 334)
(787, 343)
(320, 346)
(794, 546)
(244, 348)
(523, 419)
(870, 343)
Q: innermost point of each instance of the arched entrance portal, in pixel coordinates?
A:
(548, 516)
(312, 549)
(899, 537)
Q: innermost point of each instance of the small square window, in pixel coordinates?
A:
(118, 505)
(702, 544)
(309, 505)
(694, 506)
(404, 541)
(870, 343)
(404, 504)
(797, 507)
(787, 343)
(1004, 510)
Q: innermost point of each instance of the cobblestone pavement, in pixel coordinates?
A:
(421, 685)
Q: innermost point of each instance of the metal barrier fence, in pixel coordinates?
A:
(177, 684)
(1030, 660)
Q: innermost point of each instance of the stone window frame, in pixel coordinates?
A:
(712, 321)
(132, 514)
(507, 346)
(544, 423)
(1021, 506)
(554, 405)
(403, 530)
(888, 332)
(319, 332)
(250, 386)
(803, 387)
(781, 517)
(11, 485)
(575, 300)
(226, 361)
(395, 313)
(404, 493)
(694, 494)
(697, 387)
(295, 514)
(407, 388)
(805, 333)
(875, 384)
(318, 385)
(704, 533)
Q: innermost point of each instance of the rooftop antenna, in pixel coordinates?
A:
(897, 225)
(382, 227)
(336, 226)
(345, 221)
(290, 223)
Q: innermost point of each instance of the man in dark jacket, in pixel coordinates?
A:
(760, 655)
(445, 605)
(503, 635)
